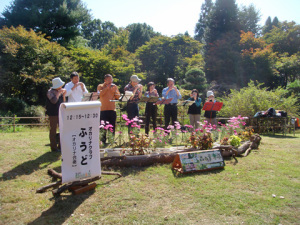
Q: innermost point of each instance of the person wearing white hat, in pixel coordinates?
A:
(75, 89)
(211, 114)
(137, 91)
(55, 96)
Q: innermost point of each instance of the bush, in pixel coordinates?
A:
(13, 105)
(253, 98)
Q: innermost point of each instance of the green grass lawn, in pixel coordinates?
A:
(239, 194)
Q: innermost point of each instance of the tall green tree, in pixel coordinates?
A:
(58, 19)
(139, 34)
(269, 24)
(249, 17)
(28, 63)
(222, 50)
(164, 57)
(98, 33)
(202, 24)
(224, 19)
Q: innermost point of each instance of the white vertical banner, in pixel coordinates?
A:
(79, 138)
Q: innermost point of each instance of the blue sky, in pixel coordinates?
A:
(171, 17)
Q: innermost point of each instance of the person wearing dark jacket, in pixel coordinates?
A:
(211, 115)
(55, 96)
(194, 110)
(151, 109)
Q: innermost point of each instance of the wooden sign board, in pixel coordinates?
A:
(198, 161)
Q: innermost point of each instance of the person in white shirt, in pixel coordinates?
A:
(75, 89)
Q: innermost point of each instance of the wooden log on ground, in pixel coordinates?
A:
(46, 187)
(54, 174)
(253, 143)
(229, 151)
(57, 192)
(85, 188)
(140, 160)
(148, 160)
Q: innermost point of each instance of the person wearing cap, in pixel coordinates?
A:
(75, 89)
(137, 91)
(170, 110)
(108, 91)
(211, 114)
(55, 96)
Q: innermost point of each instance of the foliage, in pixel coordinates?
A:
(246, 134)
(29, 62)
(139, 34)
(202, 24)
(288, 68)
(195, 79)
(164, 57)
(235, 140)
(223, 19)
(98, 33)
(249, 17)
(253, 98)
(201, 141)
(94, 64)
(294, 87)
(258, 58)
(223, 58)
(285, 37)
(58, 19)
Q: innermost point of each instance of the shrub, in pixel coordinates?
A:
(253, 98)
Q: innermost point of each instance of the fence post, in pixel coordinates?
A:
(14, 123)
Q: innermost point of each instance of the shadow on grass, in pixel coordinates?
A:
(126, 171)
(30, 166)
(196, 173)
(62, 209)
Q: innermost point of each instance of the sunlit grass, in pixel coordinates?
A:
(241, 193)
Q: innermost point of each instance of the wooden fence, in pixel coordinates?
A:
(15, 121)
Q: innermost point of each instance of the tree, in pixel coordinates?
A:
(164, 57)
(98, 33)
(258, 61)
(222, 62)
(195, 79)
(268, 26)
(202, 24)
(249, 18)
(224, 19)
(288, 68)
(28, 64)
(59, 19)
(94, 64)
(139, 34)
(222, 50)
(285, 37)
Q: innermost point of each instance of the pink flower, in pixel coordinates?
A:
(170, 127)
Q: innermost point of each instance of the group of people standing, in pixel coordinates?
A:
(108, 91)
